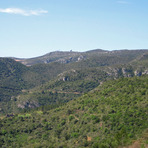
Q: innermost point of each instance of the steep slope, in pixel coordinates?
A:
(67, 86)
(15, 78)
(112, 115)
(48, 71)
(11, 82)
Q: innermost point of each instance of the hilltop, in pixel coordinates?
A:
(72, 57)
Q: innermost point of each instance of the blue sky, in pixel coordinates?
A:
(30, 28)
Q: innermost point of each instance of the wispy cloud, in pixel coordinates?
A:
(122, 2)
(22, 11)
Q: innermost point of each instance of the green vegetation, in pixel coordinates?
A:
(67, 76)
(113, 114)
(16, 78)
(93, 58)
(91, 99)
(65, 87)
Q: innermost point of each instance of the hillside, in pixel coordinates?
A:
(56, 83)
(114, 114)
(66, 86)
(16, 77)
(58, 56)
(75, 82)
(11, 80)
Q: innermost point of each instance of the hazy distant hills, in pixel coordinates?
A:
(70, 57)
(58, 56)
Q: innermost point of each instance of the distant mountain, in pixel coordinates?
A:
(72, 57)
(58, 56)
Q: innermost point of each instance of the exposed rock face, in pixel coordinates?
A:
(28, 104)
(57, 56)
(64, 76)
(137, 73)
(145, 72)
(65, 60)
(125, 72)
(80, 58)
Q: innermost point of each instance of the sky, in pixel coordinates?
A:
(30, 28)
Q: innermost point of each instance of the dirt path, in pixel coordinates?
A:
(63, 92)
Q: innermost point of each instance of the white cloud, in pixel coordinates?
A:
(122, 2)
(22, 12)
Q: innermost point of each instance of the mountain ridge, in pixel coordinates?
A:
(69, 56)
